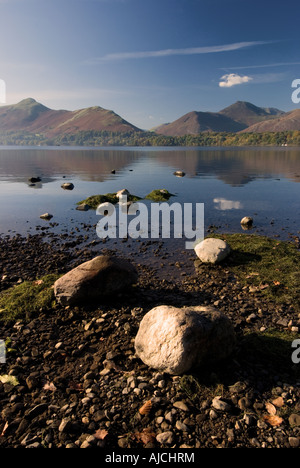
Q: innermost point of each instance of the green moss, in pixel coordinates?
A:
(28, 298)
(95, 200)
(266, 265)
(159, 195)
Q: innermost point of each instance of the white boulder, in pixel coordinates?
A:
(212, 250)
(175, 340)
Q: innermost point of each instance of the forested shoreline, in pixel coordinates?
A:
(105, 138)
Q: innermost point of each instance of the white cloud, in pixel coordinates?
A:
(170, 52)
(232, 79)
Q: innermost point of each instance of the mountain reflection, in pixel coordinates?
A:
(233, 166)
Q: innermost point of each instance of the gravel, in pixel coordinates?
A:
(80, 385)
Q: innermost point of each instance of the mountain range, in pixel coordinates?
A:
(32, 117)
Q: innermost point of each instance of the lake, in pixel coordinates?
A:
(231, 182)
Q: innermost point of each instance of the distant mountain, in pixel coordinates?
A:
(249, 114)
(197, 122)
(288, 122)
(235, 118)
(31, 116)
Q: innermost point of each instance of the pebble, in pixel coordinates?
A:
(220, 404)
(98, 383)
(181, 405)
(165, 438)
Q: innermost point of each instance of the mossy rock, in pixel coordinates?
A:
(159, 195)
(95, 200)
(28, 298)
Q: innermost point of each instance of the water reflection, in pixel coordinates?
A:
(231, 182)
(223, 204)
(236, 167)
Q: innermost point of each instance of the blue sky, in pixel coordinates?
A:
(151, 61)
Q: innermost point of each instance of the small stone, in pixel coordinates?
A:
(294, 419)
(65, 425)
(220, 404)
(247, 221)
(244, 403)
(213, 414)
(32, 382)
(181, 426)
(250, 420)
(294, 442)
(46, 216)
(83, 207)
(67, 186)
(165, 438)
(180, 405)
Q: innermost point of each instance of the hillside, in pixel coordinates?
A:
(30, 122)
(287, 122)
(31, 116)
(249, 114)
(197, 122)
(235, 118)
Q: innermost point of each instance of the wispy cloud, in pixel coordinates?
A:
(266, 65)
(227, 81)
(171, 52)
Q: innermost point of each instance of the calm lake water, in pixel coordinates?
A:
(231, 182)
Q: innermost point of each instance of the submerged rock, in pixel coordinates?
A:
(101, 276)
(175, 340)
(212, 250)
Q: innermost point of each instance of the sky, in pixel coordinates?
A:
(150, 61)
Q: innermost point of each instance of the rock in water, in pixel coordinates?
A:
(46, 216)
(102, 276)
(212, 250)
(247, 221)
(175, 340)
(67, 186)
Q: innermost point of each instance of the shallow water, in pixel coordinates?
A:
(231, 182)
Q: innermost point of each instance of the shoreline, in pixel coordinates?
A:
(77, 372)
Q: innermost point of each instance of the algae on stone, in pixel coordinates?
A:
(95, 200)
(159, 195)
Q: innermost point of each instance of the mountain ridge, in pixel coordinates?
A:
(233, 119)
(34, 118)
(31, 116)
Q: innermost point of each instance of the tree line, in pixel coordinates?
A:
(104, 138)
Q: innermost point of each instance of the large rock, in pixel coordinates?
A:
(175, 340)
(102, 276)
(212, 250)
